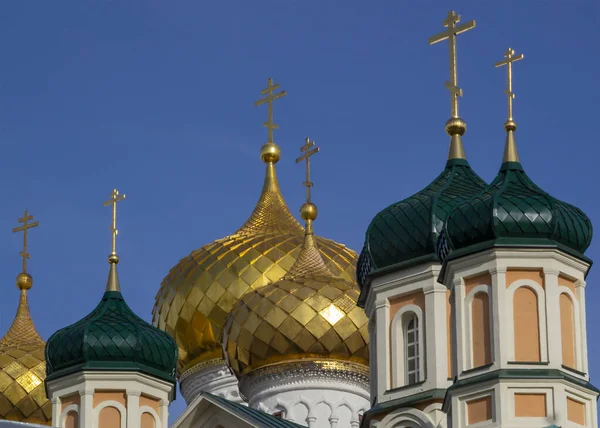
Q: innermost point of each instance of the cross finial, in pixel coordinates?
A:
(308, 152)
(453, 30)
(270, 97)
(114, 198)
(510, 58)
(26, 226)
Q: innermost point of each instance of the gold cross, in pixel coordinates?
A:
(306, 148)
(26, 226)
(269, 101)
(510, 58)
(114, 198)
(451, 34)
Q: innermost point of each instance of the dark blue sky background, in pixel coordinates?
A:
(156, 98)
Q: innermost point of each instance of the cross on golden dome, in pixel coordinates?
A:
(26, 226)
(308, 152)
(270, 97)
(453, 30)
(510, 58)
(114, 198)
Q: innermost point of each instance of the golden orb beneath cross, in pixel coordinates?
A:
(309, 211)
(24, 281)
(270, 152)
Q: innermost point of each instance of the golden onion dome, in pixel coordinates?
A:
(23, 367)
(197, 295)
(309, 315)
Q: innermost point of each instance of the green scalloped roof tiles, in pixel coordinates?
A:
(408, 230)
(516, 211)
(112, 337)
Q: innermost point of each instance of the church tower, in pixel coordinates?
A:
(111, 369)
(300, 344)
(514, 263)
(408, 309)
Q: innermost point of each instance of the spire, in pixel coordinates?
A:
(510, 148)
(271, 212)
(113, 278)
(309, 260)
(23, 331)
(455, 126)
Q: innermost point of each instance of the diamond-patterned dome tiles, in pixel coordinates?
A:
(297, 318)
(408, 230)
(513, 208)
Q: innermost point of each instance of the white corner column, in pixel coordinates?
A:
(86, 408)
(383, 348)
(133, 409)
(436, 340)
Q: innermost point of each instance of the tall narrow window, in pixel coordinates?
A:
(411, 341)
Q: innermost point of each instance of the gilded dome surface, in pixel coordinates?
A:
(23, 370)
(308, 315)
(199, 292)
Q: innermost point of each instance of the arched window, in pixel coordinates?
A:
(411, 349)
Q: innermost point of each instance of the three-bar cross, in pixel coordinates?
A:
(26, 226)
(510, 58)
(450, 34)
(308, 152)
(270, 97)
(114, 198)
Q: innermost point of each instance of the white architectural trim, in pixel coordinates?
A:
(577, 325)
(110, 403)
(63, 415)
(151, 411)
(510, 319)
(468, 314)
(406, 417)
(398, 326)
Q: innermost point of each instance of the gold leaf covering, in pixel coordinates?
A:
(309, 314)
(23, 370)
(199, 292)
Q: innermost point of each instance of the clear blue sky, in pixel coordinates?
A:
(156, 98)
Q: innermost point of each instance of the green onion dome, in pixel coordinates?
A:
(405, 233)
(514, 211)
(112, 337)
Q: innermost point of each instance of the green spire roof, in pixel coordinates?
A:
(111, 337)
(406, 232)
(514, 211)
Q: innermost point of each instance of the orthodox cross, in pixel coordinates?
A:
(26, 226)
(510, 58)
(450, 34)
(308, 152)
(270, 97)
(114, 198)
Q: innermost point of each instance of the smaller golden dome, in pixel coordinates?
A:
(23, 367)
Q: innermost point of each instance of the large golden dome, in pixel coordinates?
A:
(23, 367)
(308, 315)
(199, 292)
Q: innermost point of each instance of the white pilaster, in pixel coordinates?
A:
(86, 408)
(56, 411)
(460, 327)
(436, 336)
(553, 318)
(163, 407)
(499, 331)
(383, 348)
(580, 293)
(133, 408)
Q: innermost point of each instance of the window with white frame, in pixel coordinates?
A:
(411, 346)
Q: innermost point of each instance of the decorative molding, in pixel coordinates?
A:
(215, 379)
(201, 366)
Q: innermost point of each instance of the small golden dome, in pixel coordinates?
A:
(199, 292)
(23, 368)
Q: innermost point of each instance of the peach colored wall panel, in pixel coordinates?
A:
(480, 322)
(72, 420)
(150, 402)
(118, 396)
(527, 327)
(530, 405)
(417, 299)
(567, 330)
(147, 421)
(479, 410)
(109, 417)
(471, 283)
(563, 281)
(536, 276)
(575, 411)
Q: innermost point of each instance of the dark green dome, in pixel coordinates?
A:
(112, 337)
(406, 232)
(514, 211)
